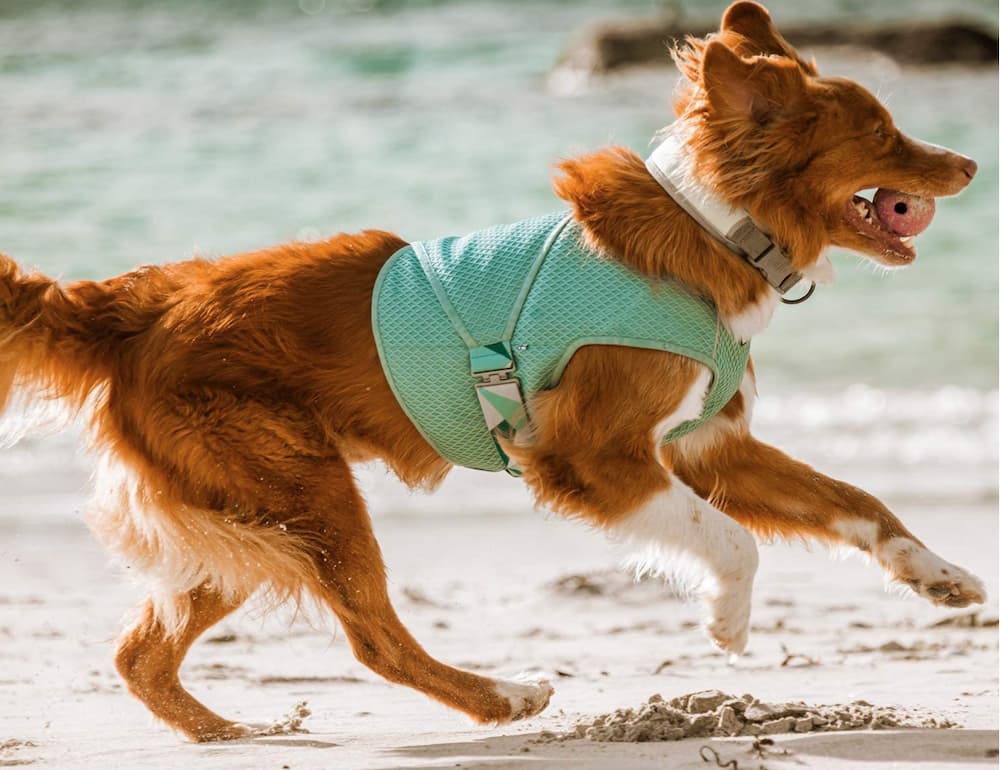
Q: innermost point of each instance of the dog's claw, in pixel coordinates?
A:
(930, 576)
(961, 591)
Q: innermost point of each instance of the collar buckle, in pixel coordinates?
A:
(764, 255)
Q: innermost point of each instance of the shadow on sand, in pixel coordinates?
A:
(900, 748)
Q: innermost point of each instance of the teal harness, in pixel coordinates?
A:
(469, 328)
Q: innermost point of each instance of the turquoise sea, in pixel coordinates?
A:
(134, 131)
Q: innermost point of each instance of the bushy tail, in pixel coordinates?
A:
(56, 341)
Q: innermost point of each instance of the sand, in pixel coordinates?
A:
(715, 713)
(510, 594)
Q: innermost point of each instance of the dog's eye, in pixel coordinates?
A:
(881, 132)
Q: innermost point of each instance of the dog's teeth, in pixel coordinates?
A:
(865, 211)
(907, 240)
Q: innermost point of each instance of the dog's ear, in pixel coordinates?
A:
(753, 23)
(754, 89)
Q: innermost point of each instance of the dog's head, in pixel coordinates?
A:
(769, 134)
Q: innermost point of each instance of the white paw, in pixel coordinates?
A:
(729, 621)
(931, 576)
(527, 696)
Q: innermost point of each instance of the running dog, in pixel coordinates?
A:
(227, 399)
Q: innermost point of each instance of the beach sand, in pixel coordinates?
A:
(502, 595)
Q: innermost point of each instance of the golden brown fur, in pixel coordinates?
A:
(227, 398)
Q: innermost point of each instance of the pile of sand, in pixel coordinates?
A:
(290, 724)
(714, 713)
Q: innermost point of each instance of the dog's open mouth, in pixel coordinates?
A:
(891, 220)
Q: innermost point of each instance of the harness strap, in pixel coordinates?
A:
(498, 390)
(499, 394)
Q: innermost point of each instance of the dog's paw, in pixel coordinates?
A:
(730, 632)
(223, 731)
(930, 576)
(956, 588)
(527, 696)
(728, 625)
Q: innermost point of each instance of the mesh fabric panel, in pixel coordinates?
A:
(577, 298)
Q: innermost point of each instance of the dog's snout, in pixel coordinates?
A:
(942, 160)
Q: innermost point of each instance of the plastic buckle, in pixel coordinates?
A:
(765, 255)
(498, 390)
(499, 394)
(750, 239)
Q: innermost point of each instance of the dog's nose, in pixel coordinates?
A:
(969, 166)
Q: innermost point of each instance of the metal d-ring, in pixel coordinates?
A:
(803, 298)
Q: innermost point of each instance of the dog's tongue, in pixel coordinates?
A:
(904, 214)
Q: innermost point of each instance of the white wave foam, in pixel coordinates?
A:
(937, 446)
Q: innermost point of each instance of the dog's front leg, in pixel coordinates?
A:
(677, 532)
(595, 455)
(672, 530)
(774, 495)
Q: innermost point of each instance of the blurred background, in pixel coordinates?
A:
(134, 131)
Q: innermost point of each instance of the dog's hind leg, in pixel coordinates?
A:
(290, 510)
(148, 659)
(352, 583)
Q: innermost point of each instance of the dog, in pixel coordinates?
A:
(226, 400)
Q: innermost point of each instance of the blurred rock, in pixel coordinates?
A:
(613, 45)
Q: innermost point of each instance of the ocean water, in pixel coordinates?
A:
(134, 132)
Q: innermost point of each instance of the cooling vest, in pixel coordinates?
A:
(469, 328)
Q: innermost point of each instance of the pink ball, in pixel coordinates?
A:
(904, 214)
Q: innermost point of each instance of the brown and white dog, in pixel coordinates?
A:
(227, 399)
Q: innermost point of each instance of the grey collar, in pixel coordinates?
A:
(670, 166)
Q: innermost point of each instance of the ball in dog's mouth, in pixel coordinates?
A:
(891, 220)
(904, 214)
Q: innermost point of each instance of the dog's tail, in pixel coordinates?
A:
(59, 341)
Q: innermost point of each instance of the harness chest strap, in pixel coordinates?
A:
(499, 394)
